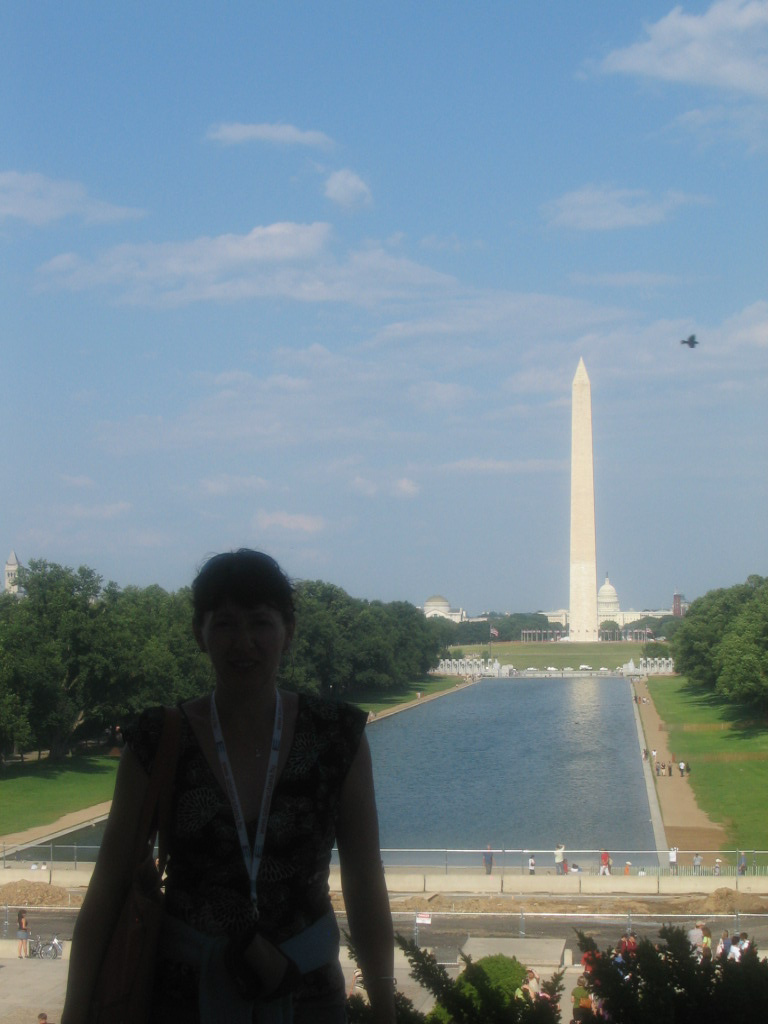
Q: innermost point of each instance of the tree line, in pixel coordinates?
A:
(722, 643)
(78, 656)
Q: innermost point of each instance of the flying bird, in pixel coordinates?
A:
(690, 342)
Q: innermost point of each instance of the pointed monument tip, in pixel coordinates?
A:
(581, 371)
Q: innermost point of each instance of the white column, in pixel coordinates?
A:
(583, 600)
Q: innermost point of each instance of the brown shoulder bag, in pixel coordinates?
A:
(123, 991)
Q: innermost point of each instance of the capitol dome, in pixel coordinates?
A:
(607, 602)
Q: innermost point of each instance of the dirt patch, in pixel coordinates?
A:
(39, 894)
(722, 901)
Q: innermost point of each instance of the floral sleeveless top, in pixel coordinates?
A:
(207, 884)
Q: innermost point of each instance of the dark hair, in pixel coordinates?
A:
(246, 577)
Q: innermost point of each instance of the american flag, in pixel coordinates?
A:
(494, 632)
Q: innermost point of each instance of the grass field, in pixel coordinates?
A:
(39, 792)
(558, 655)
(727, 748)
(376, 702)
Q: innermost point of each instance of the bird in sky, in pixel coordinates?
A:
(691, 342)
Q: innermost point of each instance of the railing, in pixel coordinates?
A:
(585, 861)
(506, 860)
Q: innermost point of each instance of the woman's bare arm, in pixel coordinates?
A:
(363, 885)
(111, 877)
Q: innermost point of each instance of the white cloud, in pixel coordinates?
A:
(449, 243)
(406, 488)
(347, 189)
(221, 267)
(603, 208)
(284, 260)
(505, 467)
(96, 512)
(290, 522)
(39, 200)
(235, 133)
(84, 482)
(748, 328)
(227, 485)
(746, 123)
(435, 394)
(726, 47)
(626, 279)
(403, 487)
(365, 486)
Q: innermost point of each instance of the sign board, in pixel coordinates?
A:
(423, 919)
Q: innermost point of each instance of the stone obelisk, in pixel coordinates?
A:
(582, 612)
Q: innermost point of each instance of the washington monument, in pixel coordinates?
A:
(582, 614)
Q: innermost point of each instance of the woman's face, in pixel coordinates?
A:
(245, 645)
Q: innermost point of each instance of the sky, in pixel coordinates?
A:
(316, 277)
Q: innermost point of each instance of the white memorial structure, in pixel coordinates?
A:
(583, 595)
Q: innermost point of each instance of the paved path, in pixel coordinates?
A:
(685, 824)
(59, 827)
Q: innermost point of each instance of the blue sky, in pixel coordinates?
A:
(316, 278)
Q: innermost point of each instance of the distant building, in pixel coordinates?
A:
(439, 607)
(609, 609)
(12, 574)
(679, 605)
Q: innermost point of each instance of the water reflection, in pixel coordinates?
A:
(520, 763)
(515, 763)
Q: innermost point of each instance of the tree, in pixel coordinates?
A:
(742, 654)
(147, 653)
(49, 636)
(666, 983)
(344, 645)
(486, 992)
(696, 642)
(611, 629)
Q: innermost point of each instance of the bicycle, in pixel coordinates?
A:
(45, 950)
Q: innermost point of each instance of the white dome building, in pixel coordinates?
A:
(439, 607)
(608, 603)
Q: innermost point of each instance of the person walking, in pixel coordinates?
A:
(559, 859)
(22, 934)
(488, 859)
(673, 860)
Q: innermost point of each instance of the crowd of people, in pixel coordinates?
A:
(585, 999)
(666, 768)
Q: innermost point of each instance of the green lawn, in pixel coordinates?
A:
(727, 748)
(39, 792)
(376, 702)
(525, 655)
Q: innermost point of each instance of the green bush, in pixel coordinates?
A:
(499, 972)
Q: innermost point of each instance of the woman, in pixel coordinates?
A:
(22, 933)
(230, 910)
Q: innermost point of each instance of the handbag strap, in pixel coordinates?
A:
(155, 811)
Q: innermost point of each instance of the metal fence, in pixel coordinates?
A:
(513, 861)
